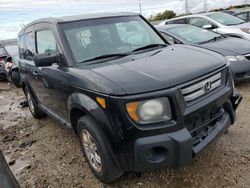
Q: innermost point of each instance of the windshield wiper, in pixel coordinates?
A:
(107, 56)
(149, 46)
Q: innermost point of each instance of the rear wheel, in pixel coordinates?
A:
(35, 111)
(97, 151)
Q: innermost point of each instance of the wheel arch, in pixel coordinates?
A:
(79, 105)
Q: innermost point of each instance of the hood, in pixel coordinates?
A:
(159, 69)
(229, 46)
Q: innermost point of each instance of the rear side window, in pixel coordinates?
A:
(46, 43)
(179, 21)
(30, 46)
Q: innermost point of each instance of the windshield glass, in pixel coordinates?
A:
(226, 19)
(187, 33)
(12, 49)
(97, 37)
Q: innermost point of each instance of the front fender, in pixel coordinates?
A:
(90, 107)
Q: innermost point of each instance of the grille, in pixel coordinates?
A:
(201, 124)
(201, 88)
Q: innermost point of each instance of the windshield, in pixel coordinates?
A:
(88, 39)
(12, 49)
(226, 19)
(187, 33)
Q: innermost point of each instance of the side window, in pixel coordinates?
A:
(21, 44)
(30, 46)
(46, 43)
(170, 39)
(200, 22)
(179, 21)
(242, 16)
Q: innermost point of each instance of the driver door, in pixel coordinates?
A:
(49, 88)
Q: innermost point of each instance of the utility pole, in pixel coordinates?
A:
(140, 8)
(205, 6)
(186, 7)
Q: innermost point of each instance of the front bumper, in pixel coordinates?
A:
(177, 149)
(173, 149)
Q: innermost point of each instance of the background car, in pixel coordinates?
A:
(245, 15)
(222, 23)
(8, 50)
(235, 50)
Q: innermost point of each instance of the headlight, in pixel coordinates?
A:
(240, 58)
(245, 30)
(150, 111)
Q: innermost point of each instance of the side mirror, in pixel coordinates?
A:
(207, 27)
(44, 60)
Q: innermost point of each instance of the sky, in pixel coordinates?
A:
(15, 13)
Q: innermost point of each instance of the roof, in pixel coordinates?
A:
(79, 17)
(191, 15)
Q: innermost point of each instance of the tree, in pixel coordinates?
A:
(167, 14)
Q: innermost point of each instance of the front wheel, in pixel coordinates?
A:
(97, 151)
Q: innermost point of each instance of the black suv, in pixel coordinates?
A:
(135, 102)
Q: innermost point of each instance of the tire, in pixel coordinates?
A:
(2, 77)
(15, 78)
(106, 171)
(35, 111)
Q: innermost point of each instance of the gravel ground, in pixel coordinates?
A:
(43, 154)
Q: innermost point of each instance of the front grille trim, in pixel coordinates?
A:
(197, 89)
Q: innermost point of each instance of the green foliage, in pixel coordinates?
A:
(167, 14)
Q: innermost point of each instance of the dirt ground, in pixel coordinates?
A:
(43, 154)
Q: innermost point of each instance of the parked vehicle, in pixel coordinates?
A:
(245, 15)
(7, 179)
(8, 49)
(134, 102)
(235, 50)
(222, 23)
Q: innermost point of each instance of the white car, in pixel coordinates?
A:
(217, 21)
